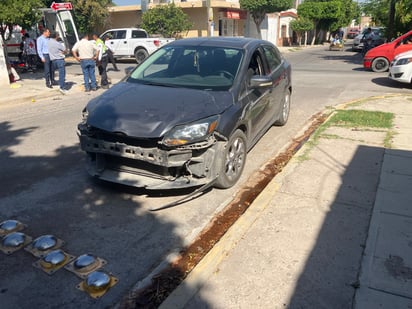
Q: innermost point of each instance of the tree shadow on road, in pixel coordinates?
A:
(52, 194)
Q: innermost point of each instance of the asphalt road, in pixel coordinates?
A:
(43, 184)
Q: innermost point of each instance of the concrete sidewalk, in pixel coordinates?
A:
(332, 230)
(32, 86)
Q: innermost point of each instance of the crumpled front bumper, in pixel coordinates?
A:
(152, 168)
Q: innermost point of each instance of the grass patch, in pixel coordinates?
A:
(351, 118)
(361, 118)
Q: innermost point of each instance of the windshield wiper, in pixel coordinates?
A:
(152, 83)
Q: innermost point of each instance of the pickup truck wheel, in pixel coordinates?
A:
(231, 161)
(140, 55)
(380, 64)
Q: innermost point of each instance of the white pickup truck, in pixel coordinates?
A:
(133, 42)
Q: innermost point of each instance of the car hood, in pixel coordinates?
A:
(407, 54)
(148, 111)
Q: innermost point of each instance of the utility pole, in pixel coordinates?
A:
(210, 22)
(4, 74)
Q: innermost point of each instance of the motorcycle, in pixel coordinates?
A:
(336, 44)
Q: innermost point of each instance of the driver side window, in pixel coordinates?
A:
(255, 66)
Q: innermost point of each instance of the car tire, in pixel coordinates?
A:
(231, 162)
(380, 64)
(140, 55)
(284, 112)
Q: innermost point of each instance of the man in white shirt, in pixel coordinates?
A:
(87, 52)
(29, 49)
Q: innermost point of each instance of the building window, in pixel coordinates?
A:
(283, 32)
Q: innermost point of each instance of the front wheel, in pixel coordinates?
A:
(231, 161)
(380, 64)
(140, 55)
(284, 112)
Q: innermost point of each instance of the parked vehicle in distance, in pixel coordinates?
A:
(379, 38)
(352, 33)
(188, 114)
(378, 59)
(133, 42)
(401, 68)
(60, 21)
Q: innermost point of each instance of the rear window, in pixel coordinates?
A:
(137, 34)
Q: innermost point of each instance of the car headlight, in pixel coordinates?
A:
(403, 61)
(191, 132)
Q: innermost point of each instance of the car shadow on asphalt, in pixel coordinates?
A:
(387, 82)
(346, 56)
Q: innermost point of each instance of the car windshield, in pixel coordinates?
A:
(197, 67)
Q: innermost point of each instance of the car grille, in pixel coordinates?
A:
(122, 138)
(138, 168)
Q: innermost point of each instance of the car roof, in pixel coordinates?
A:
(126, 28)
(230, 42)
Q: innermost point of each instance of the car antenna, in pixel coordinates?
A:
(196, 193)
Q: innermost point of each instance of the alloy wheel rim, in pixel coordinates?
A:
(234, 158)
(286, 107)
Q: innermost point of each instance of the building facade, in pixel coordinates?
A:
(212, 18)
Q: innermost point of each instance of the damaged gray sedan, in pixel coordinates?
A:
(188, 115)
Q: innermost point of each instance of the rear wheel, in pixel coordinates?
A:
(284, 113)
(380, 64)
(140, 55)
(231, 162)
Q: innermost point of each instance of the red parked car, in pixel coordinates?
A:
(379, 58)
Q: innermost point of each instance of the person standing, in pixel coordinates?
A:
(86, 52)
(367, 40)
(110, 53)
(102, 61)
(43, 52)
(29, 49)
(56, 53)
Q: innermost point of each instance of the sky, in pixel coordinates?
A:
(126, 2)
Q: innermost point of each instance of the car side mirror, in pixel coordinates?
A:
(128, 70)
(258, 81)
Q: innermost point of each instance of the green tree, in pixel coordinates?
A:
(23, 13)
(301, 26)
(91, 15)
(328, 15)
(396, 16)
(259, 8)
(166, 20)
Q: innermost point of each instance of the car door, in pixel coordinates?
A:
(259, 98)
(118, 42)
(278, 75)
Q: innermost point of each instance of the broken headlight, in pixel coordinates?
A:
(191, 132)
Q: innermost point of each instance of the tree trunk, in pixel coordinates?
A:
(391, 23)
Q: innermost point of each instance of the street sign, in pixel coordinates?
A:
(61, 6)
